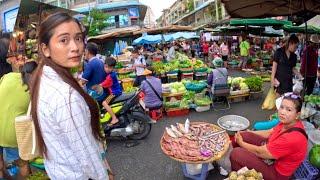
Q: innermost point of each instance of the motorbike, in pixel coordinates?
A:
(133, 122)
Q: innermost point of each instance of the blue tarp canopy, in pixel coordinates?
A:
(154, 39)
(184, 35)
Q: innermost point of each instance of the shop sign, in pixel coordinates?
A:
(133, 12)
(9, 19)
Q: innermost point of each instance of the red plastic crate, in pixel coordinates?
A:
(177, 112)
(156, 114)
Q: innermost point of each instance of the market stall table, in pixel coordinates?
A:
(203, 144)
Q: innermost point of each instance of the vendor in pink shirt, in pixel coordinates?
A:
(278, 152)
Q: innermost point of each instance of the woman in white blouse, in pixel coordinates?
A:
(65, 117)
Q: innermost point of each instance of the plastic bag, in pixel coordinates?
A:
(316, 89)
(307, 110)
(298, 86)
(270, 101)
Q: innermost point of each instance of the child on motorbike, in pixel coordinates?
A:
(112, 84)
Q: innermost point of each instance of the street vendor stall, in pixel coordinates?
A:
(24, 38)
(195, 143)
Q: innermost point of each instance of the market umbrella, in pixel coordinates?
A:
(269, 32)
(298, 29)
(259, 22)
(270, 8)
(152, 39)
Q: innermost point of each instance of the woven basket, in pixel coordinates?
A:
(214, 158)
(26, 137)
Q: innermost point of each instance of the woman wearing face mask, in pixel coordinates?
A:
(284, 66)
(277, 152)
(65, 117)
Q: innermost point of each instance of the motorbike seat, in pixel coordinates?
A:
(123, 97)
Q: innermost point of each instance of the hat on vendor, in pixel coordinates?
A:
(314, 38)
(148, 71)
(217, 62)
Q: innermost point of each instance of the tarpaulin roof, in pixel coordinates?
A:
(259, 22)
(298, 29)
(270, 8)
(151, 39)
(154, 39)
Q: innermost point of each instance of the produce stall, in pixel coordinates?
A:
(195, 143)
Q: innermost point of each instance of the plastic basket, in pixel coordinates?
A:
(177, 112)
(186, 70)
(202, 108)
(127, 83)
(203, 69)
(306, 171)
(173, 71)
(156, 114)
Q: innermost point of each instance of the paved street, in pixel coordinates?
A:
(146, 160)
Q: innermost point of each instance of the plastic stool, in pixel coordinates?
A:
(202, 176)
(156, 114)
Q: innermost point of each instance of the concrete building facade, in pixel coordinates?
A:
(196, 13)
(123, 13)
(8, 12)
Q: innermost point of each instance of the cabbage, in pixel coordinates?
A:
(243, 86)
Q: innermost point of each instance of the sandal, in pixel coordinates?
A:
(112, 124)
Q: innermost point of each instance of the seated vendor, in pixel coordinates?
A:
(152, 88)
(277, 152)
(218, 78)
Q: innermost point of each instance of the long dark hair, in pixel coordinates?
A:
(5, 67)
(45, 34)
(26, 72)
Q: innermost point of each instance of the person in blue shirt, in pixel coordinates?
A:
(93, 72)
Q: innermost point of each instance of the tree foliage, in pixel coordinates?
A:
(190, 5)
(96, 21)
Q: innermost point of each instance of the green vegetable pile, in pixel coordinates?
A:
(314, 156)
(189, 96)
(181, 104)
(131, 89)
(38, 176)
(254, 83)
(196, 86)
(177, 87)
(199, 66)
(158, 67)
(266, 77)
(314, 99)
(119, 65)
(237, 83)
(172, 66)
(204, 101)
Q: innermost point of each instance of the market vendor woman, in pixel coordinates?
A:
(284, 66)
(278, 152)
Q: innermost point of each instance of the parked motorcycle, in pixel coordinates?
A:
(133, 122)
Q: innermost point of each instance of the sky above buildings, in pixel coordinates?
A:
(157, 6)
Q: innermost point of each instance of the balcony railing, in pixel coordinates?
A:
(79, 2)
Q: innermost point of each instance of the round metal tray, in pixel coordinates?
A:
(233, 123)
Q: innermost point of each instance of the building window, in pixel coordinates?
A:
(111, 22)
(123, 20)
